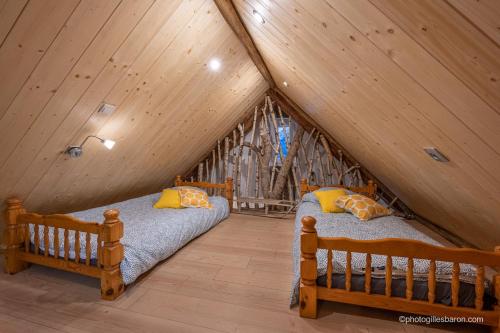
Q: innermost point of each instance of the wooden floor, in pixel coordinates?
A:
(214, 284)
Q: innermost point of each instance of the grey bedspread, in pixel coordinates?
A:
(150, 235)
(347, 225)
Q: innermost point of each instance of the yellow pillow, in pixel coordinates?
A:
(327, 200)
(362, 207)
(169, 199)
(194, 198)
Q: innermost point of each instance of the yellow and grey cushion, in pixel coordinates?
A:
(194, 198)
(362, 207)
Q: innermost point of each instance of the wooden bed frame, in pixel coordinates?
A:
(310, 292)
(20, 253)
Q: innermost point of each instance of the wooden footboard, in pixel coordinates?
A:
(21, 251)
(395, 247)
(225, 189)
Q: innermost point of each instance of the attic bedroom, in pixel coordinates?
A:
(250, 165)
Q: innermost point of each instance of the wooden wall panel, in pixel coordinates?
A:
(385, 94)
(149, 58)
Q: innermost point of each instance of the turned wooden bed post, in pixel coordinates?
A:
(303, 187)
(308, 268)
(229, 192)
(372, 189)
(496, 286)
(178, 180)
(13, 236)
(112, 254)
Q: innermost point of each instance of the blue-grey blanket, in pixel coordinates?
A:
(347, 225)
(150, 235)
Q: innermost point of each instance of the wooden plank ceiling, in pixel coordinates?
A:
(59, 60)
(388, 78)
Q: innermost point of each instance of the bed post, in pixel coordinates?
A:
(303, 187)
(13, 236)
(112, 255)
(178, 180)
(229, 192)
(372, 189)
(496, 286)
(308, 268)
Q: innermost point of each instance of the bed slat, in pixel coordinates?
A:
(87, 249)
(431, 282)
(388, 276)
(99, 241)
(409, 279)
(56, 243)
(37, 238)
(368, 273)
(27, 237)
(66, 244)
(348, 271)
(479, 287)
(46, 244)
(77, 246)
(329, 269)
(455, 284)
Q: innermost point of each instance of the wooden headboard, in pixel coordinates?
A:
(226, 187)
(369, 190)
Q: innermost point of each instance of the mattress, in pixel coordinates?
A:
(150, 235)
(347, 225)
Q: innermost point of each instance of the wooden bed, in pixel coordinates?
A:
(20, 252)
(310, 292)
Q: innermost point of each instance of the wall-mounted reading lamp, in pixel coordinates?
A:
(76, 151)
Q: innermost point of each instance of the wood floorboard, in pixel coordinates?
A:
(214, 284)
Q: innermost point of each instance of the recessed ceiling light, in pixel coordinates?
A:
(214, 64)
(436, 155)
(258, 17)
(285, 83)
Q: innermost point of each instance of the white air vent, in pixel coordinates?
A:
(107, 109)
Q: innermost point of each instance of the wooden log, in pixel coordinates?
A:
(329, 156)
(311, 159)
(241, 128)
(431, 282)
(14, 236)
(308, 291)
(213, 174)
(250, 154)
(200, 172)
(219, 176)
(287, 164)
(341, 167)
(226, 158)
(234, 155)
(409, 279)
(207, 179)
(112, 254)
(321, 168)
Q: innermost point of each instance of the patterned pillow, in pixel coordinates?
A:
(194, 198)
(362, 207)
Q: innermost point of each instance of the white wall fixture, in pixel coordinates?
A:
(77, 151)
(107, 109)
(436, 155)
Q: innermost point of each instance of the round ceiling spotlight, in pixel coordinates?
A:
(214, 64)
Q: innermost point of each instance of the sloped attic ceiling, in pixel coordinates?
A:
(59, 60)
(388, 78)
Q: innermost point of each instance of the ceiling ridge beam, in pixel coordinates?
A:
(230, 14)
